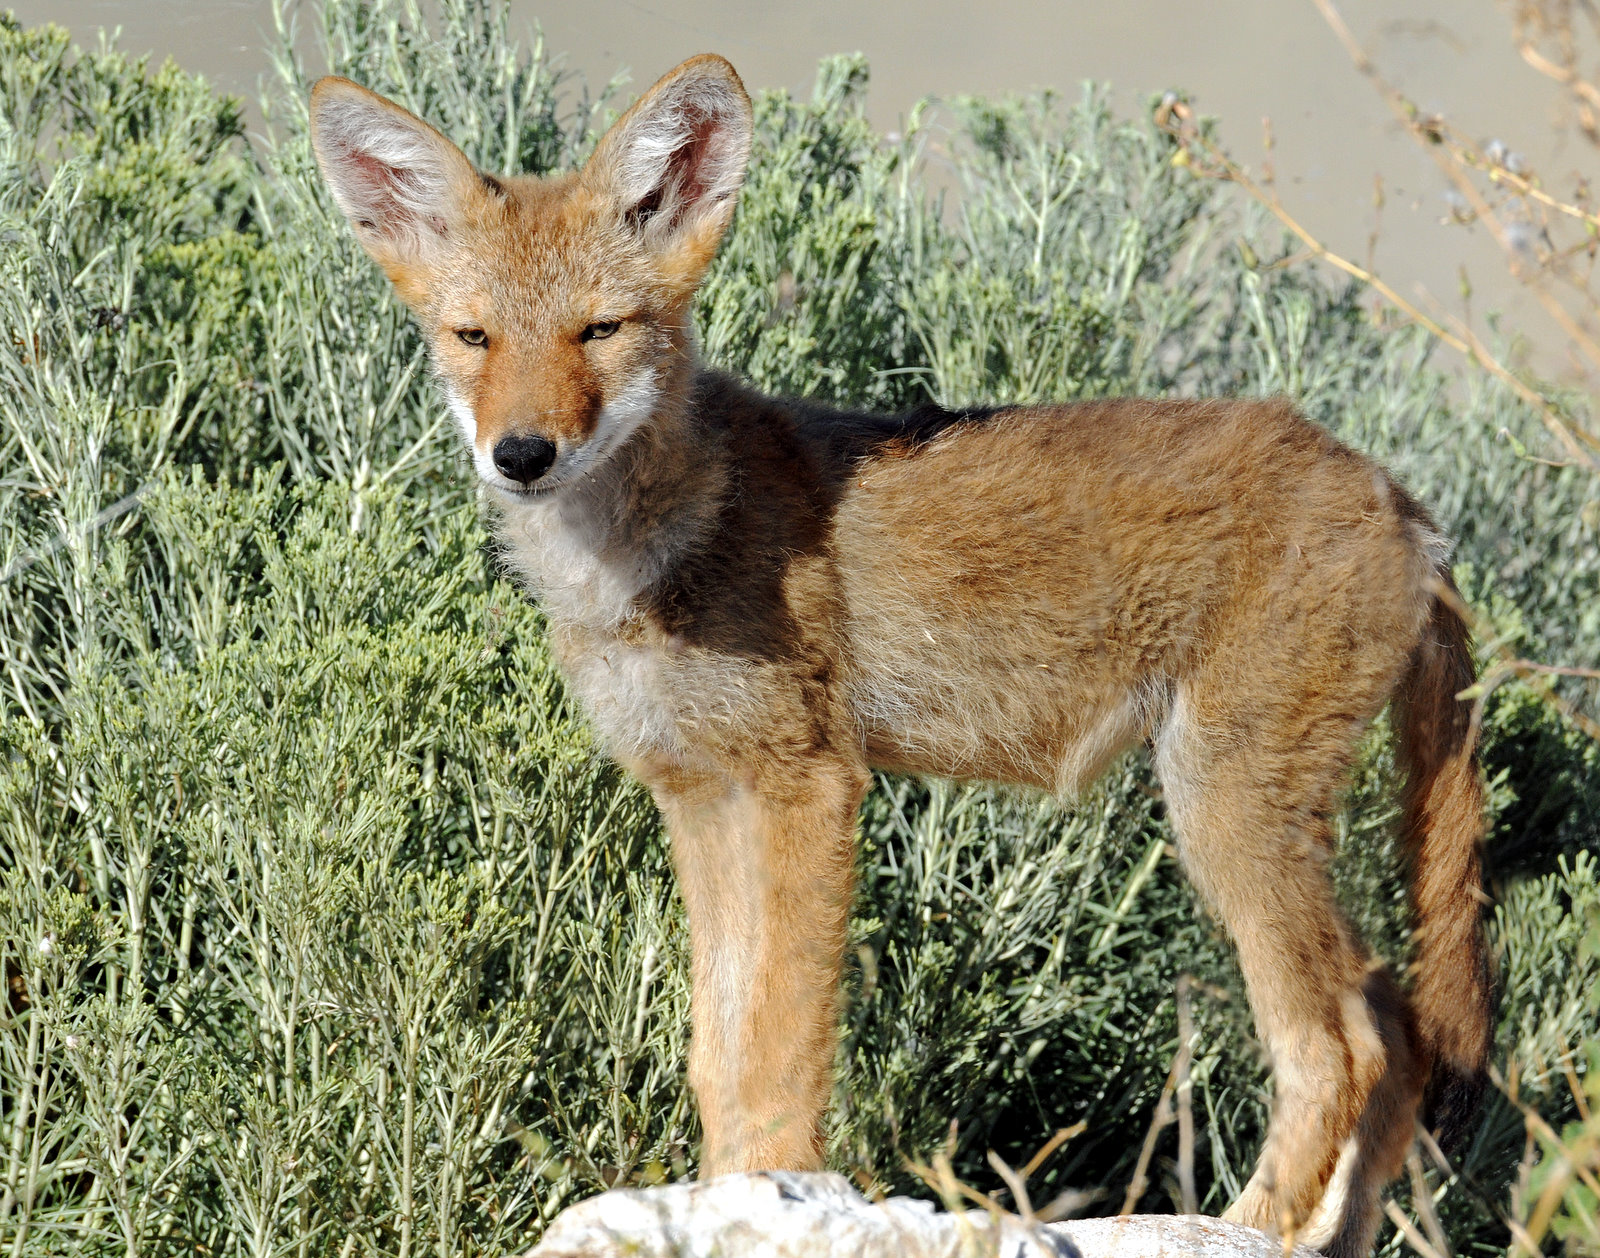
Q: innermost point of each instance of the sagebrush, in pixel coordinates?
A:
(326, 928)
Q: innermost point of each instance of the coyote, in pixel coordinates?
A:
(760, 599)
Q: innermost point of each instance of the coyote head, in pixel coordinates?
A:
(556, 310)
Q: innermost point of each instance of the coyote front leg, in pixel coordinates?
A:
(767, 869)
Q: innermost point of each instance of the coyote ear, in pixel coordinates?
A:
(672, 165)
(398, 181)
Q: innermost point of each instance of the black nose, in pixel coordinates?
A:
(523, 459)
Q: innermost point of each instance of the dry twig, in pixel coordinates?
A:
(1208, 159)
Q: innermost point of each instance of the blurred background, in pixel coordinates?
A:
(1339, 150)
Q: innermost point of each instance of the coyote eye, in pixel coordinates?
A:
(599, 331)
(473, 336)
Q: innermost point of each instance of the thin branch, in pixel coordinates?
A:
(1432, 134)
(1185, 1098)
(1422, 1203)
(1408, 1229)
(1221, 166)
(1567, 76)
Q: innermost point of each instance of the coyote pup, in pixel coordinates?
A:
(759, 599)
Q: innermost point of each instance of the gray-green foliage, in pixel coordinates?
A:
(325, 927)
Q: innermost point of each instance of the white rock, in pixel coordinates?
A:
(784, 1214)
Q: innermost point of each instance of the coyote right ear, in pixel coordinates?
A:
(399, 182)
(673, 164)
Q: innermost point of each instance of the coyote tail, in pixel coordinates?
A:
(1451, 990)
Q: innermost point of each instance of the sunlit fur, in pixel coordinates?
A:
(759, 599)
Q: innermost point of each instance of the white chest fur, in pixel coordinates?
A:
(652, 695)
(591, 601)
(559, 547)
(646, 692)
(626, 690)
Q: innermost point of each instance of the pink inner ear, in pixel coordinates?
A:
(690, 172)
(694, 161)
(385, 194)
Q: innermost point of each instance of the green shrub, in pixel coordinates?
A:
(326, 927)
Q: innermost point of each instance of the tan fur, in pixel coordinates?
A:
(759, 599)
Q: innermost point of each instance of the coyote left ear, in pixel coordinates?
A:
(672, 165)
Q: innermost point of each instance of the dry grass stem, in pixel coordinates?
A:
(1580, 445)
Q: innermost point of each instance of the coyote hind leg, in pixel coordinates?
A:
(1251, 813)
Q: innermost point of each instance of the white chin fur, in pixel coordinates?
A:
(619, 419)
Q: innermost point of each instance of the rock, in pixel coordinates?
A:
(785, 1214)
